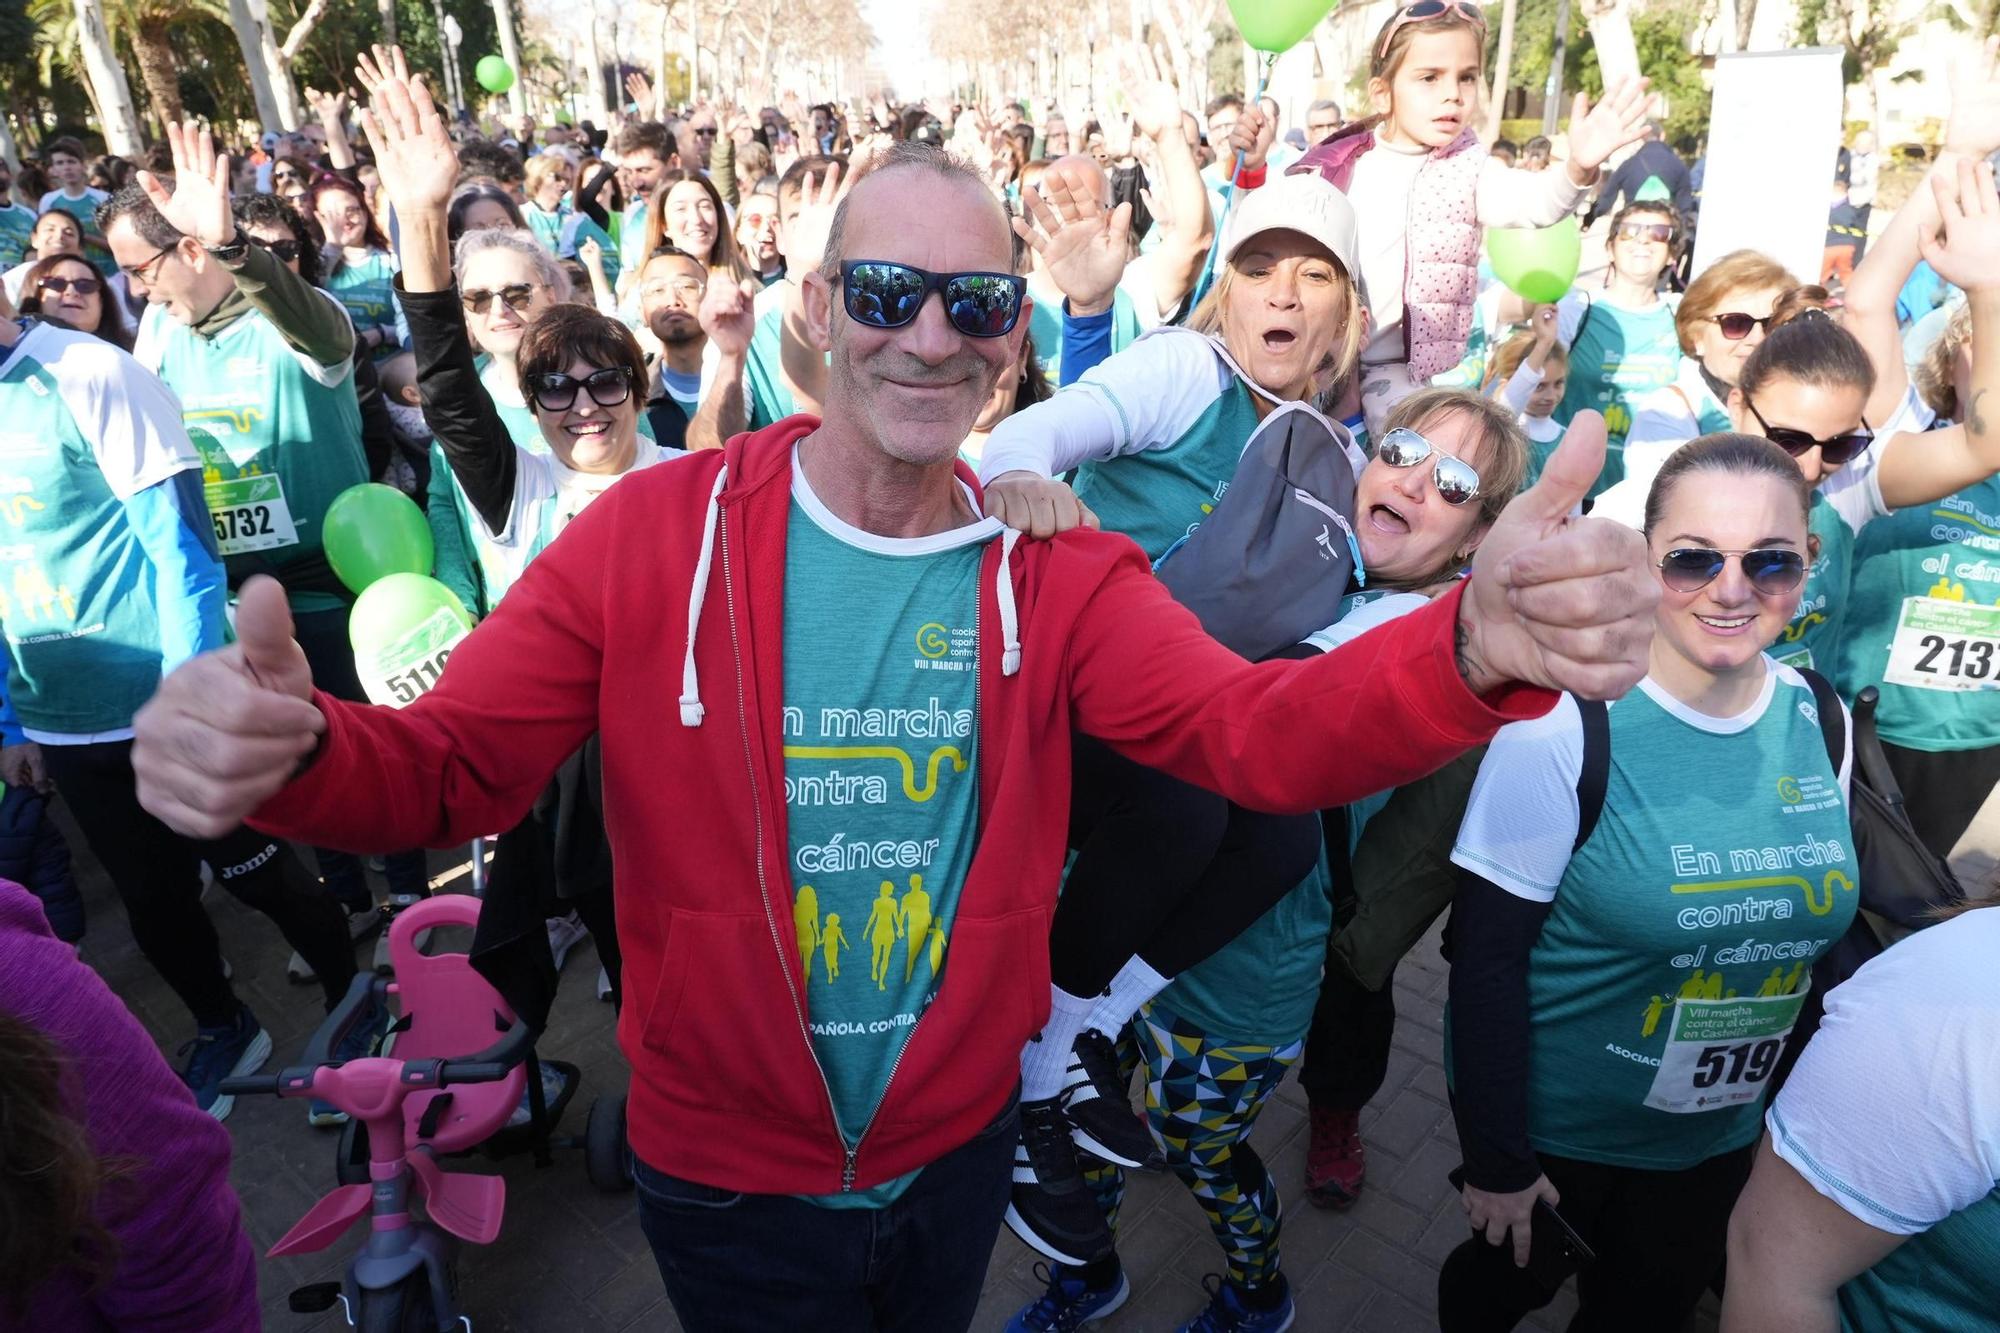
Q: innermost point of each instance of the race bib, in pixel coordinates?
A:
(1943, 644)
(410, 665)
(250, 514)
(1721, 1052)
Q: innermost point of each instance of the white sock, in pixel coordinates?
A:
(1135, 984)
(1045, 1060)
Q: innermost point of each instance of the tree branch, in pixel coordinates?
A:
(303, 29)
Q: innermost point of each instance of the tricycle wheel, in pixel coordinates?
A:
(607, 1157)
(403, 1308)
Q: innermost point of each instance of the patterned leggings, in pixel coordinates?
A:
(1202, 1099)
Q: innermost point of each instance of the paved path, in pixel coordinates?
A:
(571, 1258)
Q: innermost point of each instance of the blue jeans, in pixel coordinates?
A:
(759, 1262)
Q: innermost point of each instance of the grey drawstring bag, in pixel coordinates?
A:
(1270, 565)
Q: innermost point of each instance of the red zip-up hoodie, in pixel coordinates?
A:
(678, 574)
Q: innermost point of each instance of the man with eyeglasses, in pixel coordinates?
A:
(1322, 120)
(697, 382)
(877, 691)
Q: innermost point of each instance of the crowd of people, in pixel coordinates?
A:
(1222, 580)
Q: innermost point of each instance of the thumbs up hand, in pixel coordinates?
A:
(224, 732)
(1557, 601)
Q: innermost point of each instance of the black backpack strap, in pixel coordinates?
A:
(1832, 716)
(1595, 774)
(1589, 308)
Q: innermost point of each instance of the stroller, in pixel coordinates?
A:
(462, 1062)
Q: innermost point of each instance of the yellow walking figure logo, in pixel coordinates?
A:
(885, 927)
(833, 941)
(805, 920)
(917, 925)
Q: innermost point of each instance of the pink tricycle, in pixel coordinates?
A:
(449, 1088)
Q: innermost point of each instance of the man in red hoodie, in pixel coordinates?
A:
(838, 850)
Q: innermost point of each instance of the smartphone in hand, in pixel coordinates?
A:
(1555, 1250)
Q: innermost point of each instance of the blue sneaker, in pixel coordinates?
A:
(1226, 1312)
(1070, 1302)
(223, 1052)
(359, 1042)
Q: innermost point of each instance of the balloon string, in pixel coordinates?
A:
(1235, 174)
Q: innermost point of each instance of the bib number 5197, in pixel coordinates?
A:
(1745, 1062)
(1719, 1053)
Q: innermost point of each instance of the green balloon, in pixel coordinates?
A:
(404, 629)
(1277, 25)
(1536, 263)
(495, 75)
(373, 531)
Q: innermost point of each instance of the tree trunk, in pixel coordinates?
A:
(385, 10)
(1553, 91)
(595, 109)
(9, 152)
(1502, 67)
(1611, 32)
(1746, 15)
(253, 34)
(510, 51)
(156, 69)
(107, 82)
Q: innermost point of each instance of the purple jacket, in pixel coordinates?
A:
(1441, 265)
(184, 1262)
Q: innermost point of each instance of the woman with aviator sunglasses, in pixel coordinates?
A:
(1621, 988)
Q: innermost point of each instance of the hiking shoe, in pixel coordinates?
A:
(1335, 1166)
(564, 932)
(1099, 1110)
(360, 925)
(358, 1044)
(1229, 1310)
(1052, 1210)
(1070, 1302)
(217, 1053)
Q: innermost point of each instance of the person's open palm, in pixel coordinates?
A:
(811, 225)
(413, 152)
(1555, 601)
(1150, 94)
(1619, 118)
(1082, 244)
(1967, 252)
(1974, 127)
(198, 204)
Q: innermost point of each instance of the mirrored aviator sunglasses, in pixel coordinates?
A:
(1772, 570)
(1457, 482)
(883, 295)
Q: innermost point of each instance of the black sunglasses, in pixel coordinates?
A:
(1797, 443)
(515, 296)
(555, 392)
(83, 286)
(1771, 569)
(1457, 482)
(286, 251)
(1736, 325)
(883, 295)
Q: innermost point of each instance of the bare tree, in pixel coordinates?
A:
(269, 62)
(108, 88)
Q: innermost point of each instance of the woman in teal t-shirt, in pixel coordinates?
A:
(356, 264)
(1621, 992)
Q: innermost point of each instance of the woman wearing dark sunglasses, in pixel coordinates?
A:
(1620, 993)
(1726, 312)
(69, 290)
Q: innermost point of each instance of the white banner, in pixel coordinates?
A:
(1773, 141)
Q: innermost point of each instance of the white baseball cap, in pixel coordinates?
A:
(1307, 203)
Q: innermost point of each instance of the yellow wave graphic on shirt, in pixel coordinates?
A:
(1818, 902)
(902, 757)
(1968, 520)
(239, 417)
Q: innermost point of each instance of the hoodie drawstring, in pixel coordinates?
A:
(1010, 619)
(691, 709)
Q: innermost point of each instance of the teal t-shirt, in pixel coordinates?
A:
(1815, 628)
(17, 225)
(1161, 495)
(1045, 326)
(1923, 622)
(770, 397)
(881, 720)
(1616, 356)
(82, 430)
(1938, 1280)
(279, 437)
(368, 291)
(1720, 868)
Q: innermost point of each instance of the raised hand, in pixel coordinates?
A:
(198, 205)
(728, 315)
(1966, 253)
(226, 730)
(1083, 245)
(591, 254)
(1544, 325)
(805, 240)
(1150, 93)
(1974, 127)
(414, 155)
(1560, 602)
(1596, 133)
(640, 89)
(330, 108)
(1253, 136)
